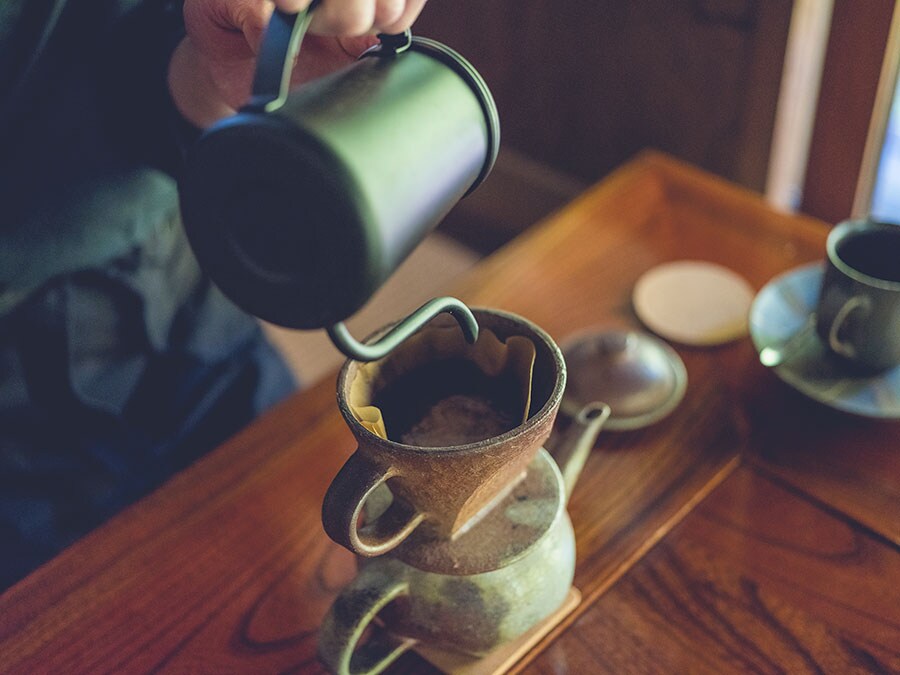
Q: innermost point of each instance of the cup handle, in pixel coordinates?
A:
(350, 616)
(343, 506)
(837, 345)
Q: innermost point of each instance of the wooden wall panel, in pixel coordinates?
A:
(582, 85)
(859, 32)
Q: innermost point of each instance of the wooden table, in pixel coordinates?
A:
(753, 530)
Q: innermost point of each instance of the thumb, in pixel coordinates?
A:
(227, 30)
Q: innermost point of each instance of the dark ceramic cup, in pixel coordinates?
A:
(858, 314)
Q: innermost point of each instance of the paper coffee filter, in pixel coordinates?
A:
(491, 355)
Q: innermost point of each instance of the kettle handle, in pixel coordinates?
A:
(275, 61)
(280, 45)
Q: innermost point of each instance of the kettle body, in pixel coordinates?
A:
(300, 211)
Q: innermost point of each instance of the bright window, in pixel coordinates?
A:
(886, 196)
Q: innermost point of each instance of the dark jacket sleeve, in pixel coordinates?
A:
(142, 112)
(87, 144)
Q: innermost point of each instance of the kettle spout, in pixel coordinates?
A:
(575, 444)
(358, 351)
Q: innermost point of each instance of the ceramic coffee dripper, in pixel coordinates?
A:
(471, 614)
(439, 491)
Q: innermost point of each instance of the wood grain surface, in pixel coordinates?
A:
(756, 579)
(223, 569)
(226, 567)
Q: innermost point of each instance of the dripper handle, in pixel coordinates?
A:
(345, 502)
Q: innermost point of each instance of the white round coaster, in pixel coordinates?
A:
(694, 302)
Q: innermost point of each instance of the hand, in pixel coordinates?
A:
(212, 69)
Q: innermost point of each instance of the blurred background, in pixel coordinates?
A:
(779, 96)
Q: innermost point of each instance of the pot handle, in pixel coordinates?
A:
(349, 617)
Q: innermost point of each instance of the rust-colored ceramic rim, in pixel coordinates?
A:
(504, 324)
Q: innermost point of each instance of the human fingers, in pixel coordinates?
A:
(228, 33)
(321, 55)
(403, 20)
(387, 13)
(343, 17)
(227, 29)
(349, 18)
(225, 35)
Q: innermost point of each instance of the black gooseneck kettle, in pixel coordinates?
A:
(302, 204)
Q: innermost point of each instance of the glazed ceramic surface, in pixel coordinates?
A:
(782, 314)
(472, 613)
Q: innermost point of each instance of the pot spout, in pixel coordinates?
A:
(575, 444)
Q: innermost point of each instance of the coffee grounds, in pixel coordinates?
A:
(450, 402)
(459, 419)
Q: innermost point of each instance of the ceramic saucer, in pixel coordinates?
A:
(784, 307)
